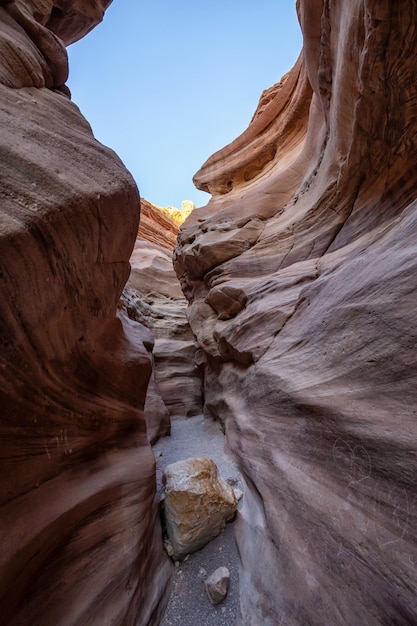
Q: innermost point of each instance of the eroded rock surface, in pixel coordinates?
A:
(300, 273)
(154, 298)
(79, 524)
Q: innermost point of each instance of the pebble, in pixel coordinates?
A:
(238, 494)
(217, 585)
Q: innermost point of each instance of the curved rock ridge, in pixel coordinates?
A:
(33, 38)
(79, 523)
(275, 130)
(300, 276)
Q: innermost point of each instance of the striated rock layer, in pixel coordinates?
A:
(79, 524)
(300, 273)
(156, 227)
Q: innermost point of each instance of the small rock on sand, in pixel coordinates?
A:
(217, 585)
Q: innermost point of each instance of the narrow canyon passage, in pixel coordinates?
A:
(299, 318)
(189, 605)
(174, 405)
(153, 298)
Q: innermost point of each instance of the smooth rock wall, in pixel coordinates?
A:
(300, 275)
(79, 525)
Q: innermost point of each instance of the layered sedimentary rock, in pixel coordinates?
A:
(154, 298)
(300, 274)
(156, 227)
(79, 524)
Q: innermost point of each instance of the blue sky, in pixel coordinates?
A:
(166, 83)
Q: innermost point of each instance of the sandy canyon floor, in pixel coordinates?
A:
(188, 604)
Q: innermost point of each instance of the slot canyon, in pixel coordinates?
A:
(286, 316)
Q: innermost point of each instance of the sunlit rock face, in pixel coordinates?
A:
(79, 525)
(300, 274)
(154, 298)
(156, 227)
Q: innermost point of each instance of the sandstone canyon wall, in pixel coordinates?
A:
(154, 298)
(79, 525)
(301, 278)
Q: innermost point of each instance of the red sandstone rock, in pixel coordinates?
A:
(79, 524)
(300, 274)
(156, 227)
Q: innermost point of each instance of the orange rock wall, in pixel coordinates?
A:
(156, 227)
(79, 524)
(300, 274)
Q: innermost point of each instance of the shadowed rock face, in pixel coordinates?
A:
(79, 531)
(300, 274)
